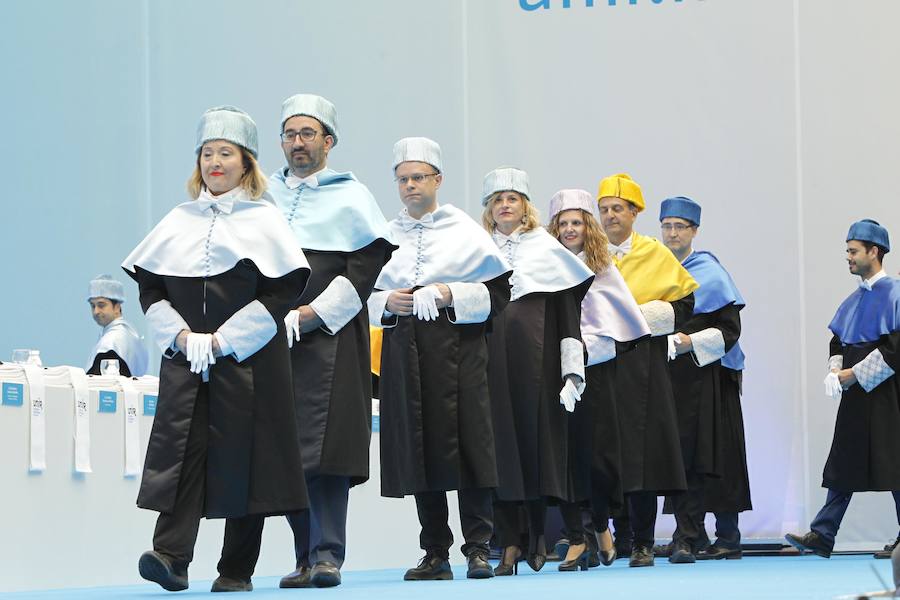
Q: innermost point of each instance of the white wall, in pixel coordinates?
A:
(778, 117)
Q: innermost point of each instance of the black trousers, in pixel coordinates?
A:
(475, 515)
(642, 508)
(828, 521)
(688, 509)
(176, 532)
(521, 524)
(573, 521)
(320, 533)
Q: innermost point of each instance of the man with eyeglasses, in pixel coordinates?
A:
(706, 383)
(346, 241)
(435, 299)
(651, 451)
(863, 364)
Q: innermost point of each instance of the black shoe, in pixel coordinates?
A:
(717, 551)
(641, 556)
(508, 565)
(681, 554)
(888, 549)
(594, 559)
(479, 567)
(299, 578)
(431, 568)
(155, 567)
(325, 574)
(810, 542)
(662, 550)
(537, 553)
(608, 557)
(623, 548)
(227, 584)
(581, 562)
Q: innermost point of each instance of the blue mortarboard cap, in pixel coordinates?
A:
(104, 286)
(680, 207)
(870, 231)
(230, 124)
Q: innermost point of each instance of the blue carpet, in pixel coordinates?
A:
(757, 577)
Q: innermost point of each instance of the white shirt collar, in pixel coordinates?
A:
(622, 249)
(408, 223)
(867, 284)
(502, 239)
(223, 202)
(311, 181)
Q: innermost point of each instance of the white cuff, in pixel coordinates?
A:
(571, 353)
(337, 304)
(709, 346)
(166, 324)
(224, 347)
(599, 349)
(471, 302)
(249, 329)
(660, 317)
(835, 362)
(377, 305)
(872, 370)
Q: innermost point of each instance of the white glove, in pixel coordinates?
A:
(200, 352)
(833, 387)
(673, 343)
(569, 395)
(424, 305)
(292, 327)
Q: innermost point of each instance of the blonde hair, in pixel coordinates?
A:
(530, 220)
(596, 252)
(253, 180)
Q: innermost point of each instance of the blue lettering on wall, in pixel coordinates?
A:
(546, 4)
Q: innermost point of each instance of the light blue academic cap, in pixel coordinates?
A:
(870, 231)
(680, 207)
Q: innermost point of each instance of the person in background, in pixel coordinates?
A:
(118, 340)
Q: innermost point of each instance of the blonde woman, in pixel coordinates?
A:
(216, 277)
(535, 369)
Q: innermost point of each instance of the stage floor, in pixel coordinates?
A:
(752, 577)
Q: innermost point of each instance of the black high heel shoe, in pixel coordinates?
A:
(579, 563)
(537, 554)
(608, 557)
(508, 568)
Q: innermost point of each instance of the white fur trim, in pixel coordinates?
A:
(337, 304)
(709, 346)
(377, 307)
(166, 324)
(599, 348)
(660, 317)
(471, 302)
(249, 329)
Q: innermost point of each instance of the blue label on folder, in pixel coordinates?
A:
(107, 403)
(376, 423)
(13, 394)
(150, 405)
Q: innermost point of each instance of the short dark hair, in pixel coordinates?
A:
(881, 251)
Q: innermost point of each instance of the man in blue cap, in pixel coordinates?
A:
(705, 380)
(118, 340)
(864, 359)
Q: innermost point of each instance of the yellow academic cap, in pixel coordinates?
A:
(621, 185)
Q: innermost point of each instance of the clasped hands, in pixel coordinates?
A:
(201, 349)
(424, 303)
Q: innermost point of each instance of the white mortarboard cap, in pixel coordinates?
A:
(310, 105)
(504, 179)
(230, 124)
(104, 286)
(418, 149)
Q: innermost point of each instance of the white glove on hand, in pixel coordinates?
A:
(569, 395)
(673, 343)
(424, 305)
(833, 388)
(200, 352)
(292, 327)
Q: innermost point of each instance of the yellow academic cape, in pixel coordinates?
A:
(652, 272)
(375, 334)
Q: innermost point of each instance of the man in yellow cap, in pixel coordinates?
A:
(651, 452)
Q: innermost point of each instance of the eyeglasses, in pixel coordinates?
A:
(679, 227)
(416, 178)
(306, 134)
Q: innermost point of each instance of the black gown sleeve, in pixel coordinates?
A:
(281, 294)
(500, 292)
(890, 350)
(151, 287)
(364, 265)
(835, 348)
(684, 310)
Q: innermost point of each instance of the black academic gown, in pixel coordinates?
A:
(866, 445)
(731, 491)
(595, 447)
(531, 427)
(436, 432)
(331, 373)
(648, 421)
(253, 462)
(698, 395)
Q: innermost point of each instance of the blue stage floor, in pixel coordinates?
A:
(757, 577)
